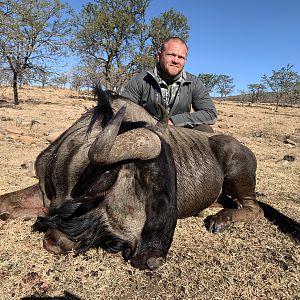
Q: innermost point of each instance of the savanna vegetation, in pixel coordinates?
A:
(248, 261)
(41, 95)
(111, 40)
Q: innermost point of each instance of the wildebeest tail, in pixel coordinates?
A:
(103, 108)
(284, 223)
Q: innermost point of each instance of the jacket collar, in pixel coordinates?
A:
(154, 74)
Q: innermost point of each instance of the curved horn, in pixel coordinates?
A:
(101, 147)
(137, 143)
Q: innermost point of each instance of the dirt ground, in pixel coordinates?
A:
(248, 261)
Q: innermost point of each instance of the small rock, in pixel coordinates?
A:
(12, 137)
(289, 157)
(26, 139)
(18, 121)
(287, 140)
(223, 126)
(4, 118)
(257, 134)
(52, 136)
(30, 169)
(13, 129)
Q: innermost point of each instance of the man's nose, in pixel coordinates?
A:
(175, 60)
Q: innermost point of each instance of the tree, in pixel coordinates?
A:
(209, 80)
(31, 33)
(281, 82)
(224, 85)
(294, 96)
(61, 80)
(5, 77)
(169, 23)
(256, 90)
(77, 79)
(112, 36)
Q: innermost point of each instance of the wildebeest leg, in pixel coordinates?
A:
(23, 203)
(239, 167)
(249, 211)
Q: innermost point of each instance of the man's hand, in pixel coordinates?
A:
(170, 122)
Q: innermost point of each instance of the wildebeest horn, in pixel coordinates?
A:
(101, 147)
(109, 148)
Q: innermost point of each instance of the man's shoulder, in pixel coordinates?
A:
(191, 77)
(144, 74)
(143, 78)
(196, 83)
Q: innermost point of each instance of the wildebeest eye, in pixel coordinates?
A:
(95, 180)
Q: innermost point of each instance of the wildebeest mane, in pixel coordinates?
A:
(103, 108)
(82, 225)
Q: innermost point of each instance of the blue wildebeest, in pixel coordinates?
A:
(118, 179)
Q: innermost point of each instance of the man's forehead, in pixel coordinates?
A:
(175, 46)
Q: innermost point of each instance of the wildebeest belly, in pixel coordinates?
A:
(199, 174)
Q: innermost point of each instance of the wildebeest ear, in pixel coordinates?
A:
(162, 124)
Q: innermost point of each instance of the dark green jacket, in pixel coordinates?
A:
(145, 90)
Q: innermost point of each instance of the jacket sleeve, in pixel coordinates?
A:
(204, 109)
(133, 90)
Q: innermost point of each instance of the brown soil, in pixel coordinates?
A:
(248, 261)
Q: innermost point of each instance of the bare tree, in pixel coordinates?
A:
(224, 85)
(256, 90)
(61, 80)
(31, 34)
(281, 82)
(209, 80)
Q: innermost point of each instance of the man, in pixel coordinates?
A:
(176, 90)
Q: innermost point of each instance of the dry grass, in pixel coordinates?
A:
(249, 261)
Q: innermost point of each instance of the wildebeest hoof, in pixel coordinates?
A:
(148, 259)
(215, 224)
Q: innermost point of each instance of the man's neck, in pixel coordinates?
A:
(168, 79)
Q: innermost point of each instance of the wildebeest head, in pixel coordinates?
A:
(113, 202)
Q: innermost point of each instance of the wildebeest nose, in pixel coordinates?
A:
(57, 242)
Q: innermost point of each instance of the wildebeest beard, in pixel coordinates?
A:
(78, 219)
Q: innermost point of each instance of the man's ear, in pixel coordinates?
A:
(158, 56)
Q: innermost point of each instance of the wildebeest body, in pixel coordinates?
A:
(200, 176)
(130, 203)
(132, 210)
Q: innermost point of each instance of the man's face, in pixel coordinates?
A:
(172, 59)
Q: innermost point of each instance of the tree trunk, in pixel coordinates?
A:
(277, 102)
(15, 88)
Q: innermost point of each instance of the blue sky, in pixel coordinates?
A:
(241, 38)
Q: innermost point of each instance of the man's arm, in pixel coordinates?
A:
(204, 109)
